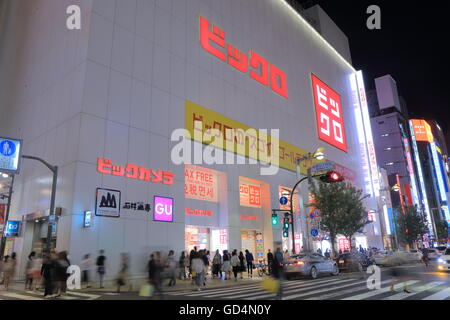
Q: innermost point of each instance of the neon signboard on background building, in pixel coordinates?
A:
(330, 122)
(246, 217)
(368, 134)
(198, 212)
(438, 173)
(411, 172)
(344, 244)
(200, 183)
(250, 194)
(132, 171)
(213, 41)
(422, 130)
(163, 209)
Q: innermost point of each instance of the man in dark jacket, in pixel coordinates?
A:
(154, 272)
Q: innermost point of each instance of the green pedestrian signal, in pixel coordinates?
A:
(286, 234)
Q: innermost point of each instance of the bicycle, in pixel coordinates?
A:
(263, 269)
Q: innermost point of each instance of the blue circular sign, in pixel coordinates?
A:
(7, 148)
(283, 200)
(314, 232)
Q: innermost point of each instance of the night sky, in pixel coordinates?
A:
(412, 46)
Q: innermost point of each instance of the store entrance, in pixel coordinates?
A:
(197, 237)
(252, 240)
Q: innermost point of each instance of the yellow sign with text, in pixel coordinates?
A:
(212, 128)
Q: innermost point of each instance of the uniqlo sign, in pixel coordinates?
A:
(250, 195)
(330, 121)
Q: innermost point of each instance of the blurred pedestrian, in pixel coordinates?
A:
(192, 254)
(235, 264)
(241, 263)
(9, 268)
(61, 266)
(249, 258)
(86, 267)
(101, 266)
(226, 267)
(36, 272)
(270, 260)
(154, 268)
(47, 273)
(327, 254)
(123, 272)
(171, 266)
(286, 255)
(398, 272)
(217, 264)
(205, 258)
(198, 268)
(29, 271)
(319, 251)
(425, 257)
(182, 266)
(278, 272)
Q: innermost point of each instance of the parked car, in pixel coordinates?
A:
(309, 264)
(443, 262)
(433, 253)
(350, 261)
(441, 249)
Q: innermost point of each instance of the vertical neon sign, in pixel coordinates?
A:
(419, 171)
(411, 172)
(437, 170)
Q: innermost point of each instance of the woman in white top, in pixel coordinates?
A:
(235, 263)
(86, 266)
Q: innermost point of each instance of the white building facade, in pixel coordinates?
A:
(102, 104)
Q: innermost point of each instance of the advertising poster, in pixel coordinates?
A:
(200, 183)
(2, 213)
(107, 203)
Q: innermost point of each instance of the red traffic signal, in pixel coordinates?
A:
(331, 177)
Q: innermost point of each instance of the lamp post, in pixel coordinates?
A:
(9, 196)
(54, 170)
(319, 155)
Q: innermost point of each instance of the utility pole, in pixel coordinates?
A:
(2, 246)
(54, 170)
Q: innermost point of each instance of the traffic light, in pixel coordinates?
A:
(274, 219)
(286, 227)
(332, 177)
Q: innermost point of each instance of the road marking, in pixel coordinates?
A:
(441, 295)
(91, 296)
(321, 290)
(341, 293)
(261, 291)
(212, 290)
(377, 292)
(19, 296)
(297, 289)
(417, 290)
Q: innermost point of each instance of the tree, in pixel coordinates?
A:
(341, 209)
(441, 229)
(410, 225)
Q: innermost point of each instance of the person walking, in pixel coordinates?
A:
(47, 272)
(192, 255)
(9, 268)
(154, 268)
(101, 270)
(182, 266)
(86, 266)
(270, 260)
(123, 272)
(217, 265)
(205, 258)
(198, 267)
(61, 265)
(29, 271)
(226, 267)
(171, 266)
(249, 258)
(235, 264)
(36, 272)
(242, 266)
(278, 272)
(425, 257)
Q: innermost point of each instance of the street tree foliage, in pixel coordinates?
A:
(341, 209)
(441, 229)
(410, 225)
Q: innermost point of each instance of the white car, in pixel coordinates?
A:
(443, 262)
(381, 257)
(433, 253)
(441, 249)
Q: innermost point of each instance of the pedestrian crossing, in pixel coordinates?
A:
(27, 295)
(335, 288)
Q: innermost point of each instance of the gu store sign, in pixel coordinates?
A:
(163, 209)
(330, 122)
(213, 41)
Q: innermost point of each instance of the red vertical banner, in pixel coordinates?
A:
(2, 213)
(400, 193)
(408, 196)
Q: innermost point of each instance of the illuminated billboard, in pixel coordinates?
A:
(422, 130)
(330, 122)
(200, 183)
(249, 194)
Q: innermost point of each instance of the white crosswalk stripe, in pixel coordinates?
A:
(441, 295)
(414, 291)
(377, 292)
(86, 295)
(19, 296)
(341, 293)
(321, 290)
